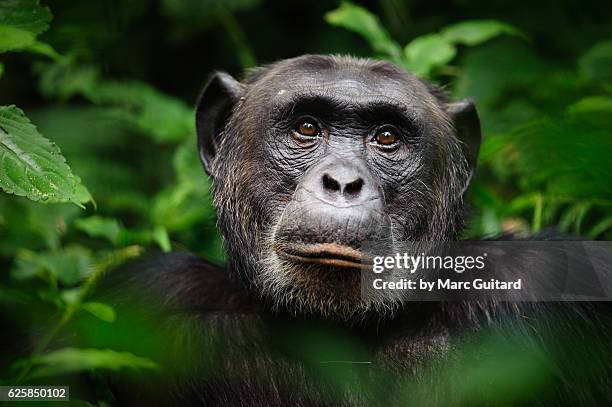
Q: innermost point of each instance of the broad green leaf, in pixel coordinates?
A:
(474, 32)
(361, 21)
(20, 22)
(98, 226)
(428, 52)
(101, 311)
(73, 360)
(31, 165)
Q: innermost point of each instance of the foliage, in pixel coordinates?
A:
(112, 83)
(33, 166)
(425, 54)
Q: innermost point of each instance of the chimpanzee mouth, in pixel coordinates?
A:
(324, 254)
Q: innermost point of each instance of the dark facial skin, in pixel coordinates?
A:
(315, 156)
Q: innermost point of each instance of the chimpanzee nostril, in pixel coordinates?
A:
(353, 188)
(339, 182)
(330, 184)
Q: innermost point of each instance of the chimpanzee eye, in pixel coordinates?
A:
(307, 127)
(386, 137)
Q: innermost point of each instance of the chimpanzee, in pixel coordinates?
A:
(309, 158)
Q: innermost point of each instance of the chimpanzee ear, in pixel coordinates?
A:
(467, 125)
(214, 107)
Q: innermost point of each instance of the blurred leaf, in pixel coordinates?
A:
(161, 117)
(160, 236)
(475, 32)
(69, 266)
(72, 296)
(187, 164)
(64, 80)
(73, 360)
(491, 71)
(20, 22)
(361, 21)
(31, 165)
(187, 201)
(591, 104)
(1, 69)
(572, 218)
(50, 221)
(596, 63)
(600, 227)
(427, 52)
(101, 311)
(42, 48)
(154, 114)
(98, 226)
(180, 206)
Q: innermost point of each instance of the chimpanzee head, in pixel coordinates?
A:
(313, 156)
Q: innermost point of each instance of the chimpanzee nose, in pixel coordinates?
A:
(341, 182)
(348, 187)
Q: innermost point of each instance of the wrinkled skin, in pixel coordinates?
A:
(294, 210)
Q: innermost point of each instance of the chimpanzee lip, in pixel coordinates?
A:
(326, 254)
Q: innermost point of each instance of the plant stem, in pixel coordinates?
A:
(107, 263)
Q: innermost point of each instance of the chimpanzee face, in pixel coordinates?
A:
(314, 156)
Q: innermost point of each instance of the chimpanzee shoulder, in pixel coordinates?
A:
(178, 281)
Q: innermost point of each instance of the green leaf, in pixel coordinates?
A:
(69, 266)
(20, 22)
(188, 166)
(160, 235)
(161, 117)
(154, 114)
(600, 227)
(73, 296)
(101, 311)
(49, 221)
(98, 226)
(73, 360)
(31, 165)
(475, 32)
(42, 48)
(596, 63)
(591, 104)
(361, 21)
(1, 69)
(428, 52)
